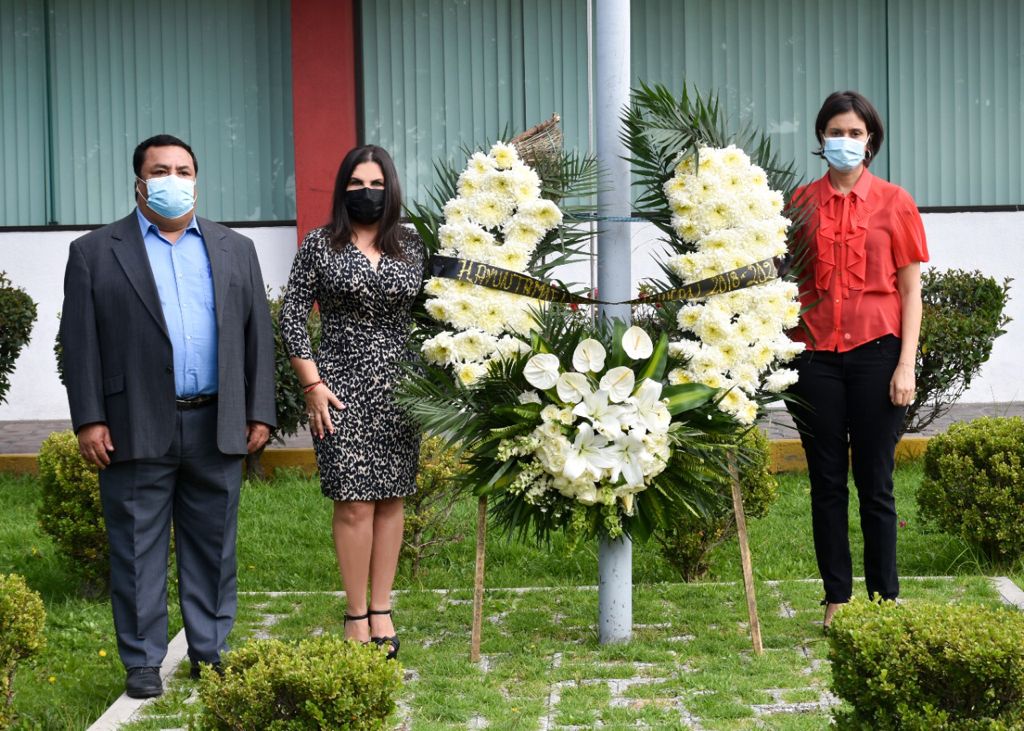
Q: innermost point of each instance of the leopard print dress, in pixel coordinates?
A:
(365, 314)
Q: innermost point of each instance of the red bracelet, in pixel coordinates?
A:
(310, 387)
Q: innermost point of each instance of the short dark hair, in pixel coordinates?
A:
(839, 102)
(340, 226)
(162, 140)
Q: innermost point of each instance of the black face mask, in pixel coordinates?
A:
(365, 205)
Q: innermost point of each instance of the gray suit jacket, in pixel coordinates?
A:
(118, 361)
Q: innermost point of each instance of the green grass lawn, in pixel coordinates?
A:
(535, 641)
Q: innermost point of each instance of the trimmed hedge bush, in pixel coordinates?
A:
(320, 683)
(962, 317)
(688, 545)
(427, 527)
(928, 667)
(22, 618)
(973, 485)
(70, 511)
(17, 314)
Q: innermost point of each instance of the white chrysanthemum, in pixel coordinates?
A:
(456, 211)
(780, 380)
(469, 373)
(544, 212)
(438, 350)
(526, 183)
(490, 210)
(504, 155)
(523, 232)
(474, 344)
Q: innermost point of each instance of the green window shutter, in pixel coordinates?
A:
(216, 75)
(439, 75)
(24, 187)
(772, 63)
(956, 120)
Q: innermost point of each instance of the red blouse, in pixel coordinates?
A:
(850, 261)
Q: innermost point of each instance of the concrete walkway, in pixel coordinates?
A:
(24, 437)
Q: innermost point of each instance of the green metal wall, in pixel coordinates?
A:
(112, 72)
(442, 74)
(945, 74)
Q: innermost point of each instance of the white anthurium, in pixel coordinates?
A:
(637, 343)
(589, 356)
(572, 387)
(650, 410)
(588, 454)
(605, 418)
(541, 371)
(618, 382)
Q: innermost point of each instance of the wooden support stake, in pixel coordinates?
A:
(478, 580)
(748, 571)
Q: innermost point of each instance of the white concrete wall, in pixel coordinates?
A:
(35, 262)
(991, 242)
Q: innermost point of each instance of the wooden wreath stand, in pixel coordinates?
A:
(741, 532)
(748, 571)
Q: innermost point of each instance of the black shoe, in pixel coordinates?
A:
(195, 671)
(143, 683)
(392, 642)
(360, 618)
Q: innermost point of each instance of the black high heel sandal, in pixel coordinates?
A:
(359, 618)
(381, 641)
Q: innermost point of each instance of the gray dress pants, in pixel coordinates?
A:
(197, 488)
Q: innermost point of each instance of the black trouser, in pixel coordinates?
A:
(847, 414)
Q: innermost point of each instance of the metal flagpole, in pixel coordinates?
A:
(614, 283)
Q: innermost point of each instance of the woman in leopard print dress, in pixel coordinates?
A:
(364, 270)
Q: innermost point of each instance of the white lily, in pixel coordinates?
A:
(572, 387)
(589, 356)
(630, 455)
(529, 397)
(650, 409)
(604, 417)
(618, 382)
(637, 343)
(588, 455)
(541, 371)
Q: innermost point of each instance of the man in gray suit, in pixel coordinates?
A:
(169, 362)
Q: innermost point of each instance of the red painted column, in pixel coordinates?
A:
(323, 102)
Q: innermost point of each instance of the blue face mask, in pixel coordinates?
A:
(171, 196)
(843, 153)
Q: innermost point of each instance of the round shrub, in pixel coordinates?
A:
(688, 545)
(973, 485)
(320, 683)
(21, 635)
(928, 666)
(70, 511)
(17, 315)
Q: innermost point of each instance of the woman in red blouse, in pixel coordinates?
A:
(863, 247)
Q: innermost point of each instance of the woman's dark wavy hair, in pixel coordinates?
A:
(839, 102)
(341, 228)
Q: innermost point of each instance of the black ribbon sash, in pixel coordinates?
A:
(504, 280)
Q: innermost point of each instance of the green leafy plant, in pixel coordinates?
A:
(70, 511)
(973, 485)
(320, 683)
(688, 542)
(928, 666)
(22, 619)
(962, 317)
(291, 404)
(428, 511)
(17, 314)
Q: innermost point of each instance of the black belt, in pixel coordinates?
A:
(196, 402)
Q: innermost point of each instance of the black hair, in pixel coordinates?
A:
(839, 102)
(162, 140)
(341, 228)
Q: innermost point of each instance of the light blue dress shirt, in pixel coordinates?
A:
(184, 282)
